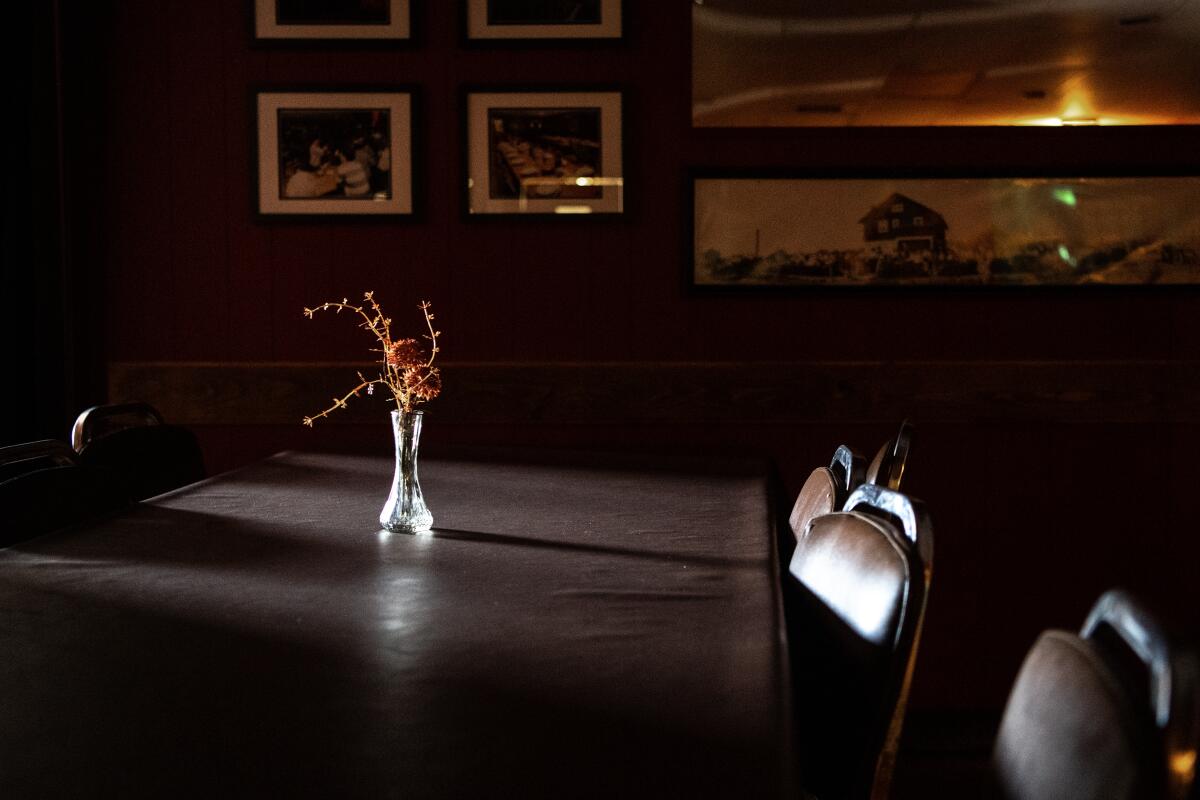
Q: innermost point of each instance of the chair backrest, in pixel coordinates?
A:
(817, 496)
(887, 468)
(44, 488)
(19, 459)
(1169, 674)
(863, 575)
(132, 442)
(100, 421)
(827, 488)
(1080, 723)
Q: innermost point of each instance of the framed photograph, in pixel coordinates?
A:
(309, 20)
(334, 152)
(543, 152)
(1022, 230)
(497, 20)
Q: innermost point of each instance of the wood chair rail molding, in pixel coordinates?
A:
(1067, 392)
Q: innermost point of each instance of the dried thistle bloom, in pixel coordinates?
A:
(425, 384)
(405, 354)
(406, 370)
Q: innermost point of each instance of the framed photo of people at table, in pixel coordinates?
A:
(380, 21)
(1018, 229)
(497, 21)
(323, 152)
(544, 152)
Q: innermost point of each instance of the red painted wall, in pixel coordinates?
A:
(1033, 521)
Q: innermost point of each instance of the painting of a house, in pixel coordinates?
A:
(913, 227)
(948, 231)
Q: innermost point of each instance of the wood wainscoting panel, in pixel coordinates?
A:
(603, 393)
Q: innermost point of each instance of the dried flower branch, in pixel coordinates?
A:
(406, 368)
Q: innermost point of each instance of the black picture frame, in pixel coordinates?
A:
(395, 28)
(396, 200)
(574, 176)
(480, 28)
(1109, 246)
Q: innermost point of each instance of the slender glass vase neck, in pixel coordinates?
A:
(405, 510)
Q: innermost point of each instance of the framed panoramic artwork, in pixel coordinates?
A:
(770, 231)
(498, 20)
(345, 20)
(544, 152)
(326, 152)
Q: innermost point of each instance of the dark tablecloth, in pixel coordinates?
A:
(596, 628)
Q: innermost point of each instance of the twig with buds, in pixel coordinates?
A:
(407, 369)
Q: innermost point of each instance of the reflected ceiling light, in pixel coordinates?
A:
(1077, 102)
(1061, 122)
(1183, 763)
(572, 209)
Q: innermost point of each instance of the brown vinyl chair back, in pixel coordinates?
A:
(817, 496)
(1109, 713)
(19, 459)
(133, 443)
(861, 576)
(43, 487)
(827, 488)
(1172, 675)
(887, 468)
(99, 421)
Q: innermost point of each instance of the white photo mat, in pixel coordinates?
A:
(399, 108)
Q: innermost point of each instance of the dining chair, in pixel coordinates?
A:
(19, 459)
(860, 578)
(43, 487)
(133, 442)
(827, 488)
(1112, 712)
(887, 468)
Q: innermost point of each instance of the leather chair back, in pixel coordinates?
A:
(20, 459)
(132, 442)
(1109, 713)
(43, 488)
(827, 488)
(817, 496)
(100, 421)
(861, 577)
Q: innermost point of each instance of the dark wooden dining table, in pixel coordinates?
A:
(574, 626)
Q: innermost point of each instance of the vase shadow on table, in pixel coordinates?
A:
(550, 544)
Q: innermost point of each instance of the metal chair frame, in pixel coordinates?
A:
(887, 468)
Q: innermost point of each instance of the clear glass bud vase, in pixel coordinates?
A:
(405, 510)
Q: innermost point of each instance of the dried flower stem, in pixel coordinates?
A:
(411, 383)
